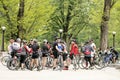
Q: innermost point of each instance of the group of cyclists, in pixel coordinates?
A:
(58, 47)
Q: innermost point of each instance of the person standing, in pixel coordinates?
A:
(24, 52)
(57, 48)
(35, 54)
(92, 44)
(44, 50)
(74, 49)
(87, 53)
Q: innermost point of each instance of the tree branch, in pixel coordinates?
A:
(113, 3)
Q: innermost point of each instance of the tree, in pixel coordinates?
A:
(70, 16)
(20, 16)
(108, 4)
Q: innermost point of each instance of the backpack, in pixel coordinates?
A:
(87, 51)
(82, 49)
(16, 46)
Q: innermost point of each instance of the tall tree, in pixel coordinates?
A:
(20, 18)
(108, 4)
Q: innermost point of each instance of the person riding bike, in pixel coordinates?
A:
(87, 53)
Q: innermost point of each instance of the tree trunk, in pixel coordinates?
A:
(19, 19)
(104, 24)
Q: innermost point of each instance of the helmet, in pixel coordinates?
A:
(45, 41)
(18, 40)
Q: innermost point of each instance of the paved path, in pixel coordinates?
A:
(109, 73)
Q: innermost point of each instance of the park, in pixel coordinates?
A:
(77, 21)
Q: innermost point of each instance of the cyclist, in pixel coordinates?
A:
(57, 48)
(74, 49)
(45, 50)
(35, 54)
(92, 44)
(14, 47)
(24, 50)
(10, 50)
(115, 54)
(65, 56)
(87, 53)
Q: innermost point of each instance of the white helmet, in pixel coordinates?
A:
(45, 40)
(18, 40)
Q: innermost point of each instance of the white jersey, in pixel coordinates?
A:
(93, 46)
(16, 46)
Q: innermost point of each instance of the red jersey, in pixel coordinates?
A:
(74, 49)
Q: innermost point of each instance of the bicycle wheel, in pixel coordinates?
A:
(27, 63)
(60, 63)
(4, 60)
(49, 62)
(75, 63)
(85, 64)
(13, 64)
(99, 63)
(80, 63)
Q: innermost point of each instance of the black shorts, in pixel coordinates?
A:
(56, 55)
(22, 58)
(64, 56)
(44, 55)
(35, 55)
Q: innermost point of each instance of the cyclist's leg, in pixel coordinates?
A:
(92, 57)
(71, 58)
(89, 60)
(55, 59)
(44, 60)
(22, 61)
(65, 61)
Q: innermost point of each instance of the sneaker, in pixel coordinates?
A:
(65, 68)
(31, 68)
(38, 69)
(54, 69)
(22, 69)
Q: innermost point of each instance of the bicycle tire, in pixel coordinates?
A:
(99, 64)
(11, 65)
(4, 60)
(85, 64)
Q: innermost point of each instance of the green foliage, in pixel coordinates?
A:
(43, 19)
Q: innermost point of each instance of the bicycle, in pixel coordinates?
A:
(49, 62)
(60, 61)
(14, 63)
(97, 63)
(5, 59)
